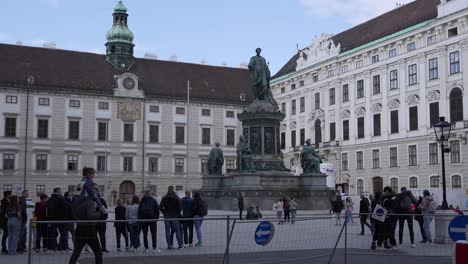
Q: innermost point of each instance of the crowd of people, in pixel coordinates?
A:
(60, 216)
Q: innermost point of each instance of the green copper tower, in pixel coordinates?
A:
(119, 45)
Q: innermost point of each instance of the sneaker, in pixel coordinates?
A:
(119, 250)
(127, 249)
(191, 245)
(146, 251)
(198, 244)
(413, 245)
(44, 250)
(396, 247)
(133, 250)
(373, 246)
(181, 247)
(156, 250)
(105, 251)
(423, 242)
(38, 250)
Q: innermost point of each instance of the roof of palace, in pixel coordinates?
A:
(386, 24)
(81, 72)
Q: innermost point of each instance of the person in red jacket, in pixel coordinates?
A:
(40, 210)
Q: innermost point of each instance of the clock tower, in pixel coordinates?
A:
(119, 45)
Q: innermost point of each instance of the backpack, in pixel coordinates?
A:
(432, 207)
(83, 208)
(145, 210)
(405, 203)
(202, 208)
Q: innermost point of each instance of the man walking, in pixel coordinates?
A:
(364, 210)
(170, 207)
(404, 207)
(56, 211)
(149, 210)
(102, 227)
(120, 227)
(41, 214)
(24, 221)
(5, 204)
(240, 204)
(69, 227)
(187, 213)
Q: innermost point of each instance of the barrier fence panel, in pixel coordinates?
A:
(213, 232)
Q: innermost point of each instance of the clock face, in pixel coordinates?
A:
(128, 83)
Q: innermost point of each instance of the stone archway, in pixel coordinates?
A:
(126, 188)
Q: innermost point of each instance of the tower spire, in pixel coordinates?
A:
(119, 45)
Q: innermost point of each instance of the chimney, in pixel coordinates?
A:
(19, 43)
(173, 57)
(203, 62)
(224, 64)
(151, 56)
(50, 45)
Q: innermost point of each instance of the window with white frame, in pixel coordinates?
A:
(179, 165)
(413, 182)
(206, 134)
(331, 73)
(179, 188)
(206, 112)
(434, 181)
(376, 84)
(344, 161)
(393, 79)
(127, 163)
(8, 161)
(231, 114)
(153, 133)
(392, 53)
(301, 83)
(72, 163)
(344, 68)
(41, 162)
(315, 78)
(74, 103)
(412, 74)
(230, 137)
(180, 135)
(40, 189)
(42, 128)
(359, 187)
(375, 158)
(431, 40)
(74, 130)
(412, 155)
(375, 58)
(359, 64)
(456, 182)
(283, 108)
(411, 46)
(394, 183)
(128, 132)
(153, 164)
(360, 89)
(393, 157)
(7, 187)
(11, 99)
(455, 151)
(154, 108)
(102, 131)
(359, 160)
(433, 153)
(293, 107)
(433, 69)
(101, 165)
(230, 165)
(345, 93)
(44, 102)
(10, 126)
(332, 96)
(293, 86)
(454, 62)
(302, 104)
(180, 111)
(103, 105)
(204, 166)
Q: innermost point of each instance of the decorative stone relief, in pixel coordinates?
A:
(292, 125)
(412, 99)
(376, 108)
(283, 127)
(433, 95)
(360, 111)
(456, 84)
(345, 114)
(331, 115)
(393, 104)
(320, 49)
(127, 86)
(317, 114)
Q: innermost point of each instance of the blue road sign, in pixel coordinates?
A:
(264, 233)
(458, 228)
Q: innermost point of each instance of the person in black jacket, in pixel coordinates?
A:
(364, 208)
(120, 227)
(389, 203)
(56, 211)
(148, 210)
(5, 203)
(24, 220)
(101, 227)
(337, 207)
(170, 207)
(69, 227)
(240, 204)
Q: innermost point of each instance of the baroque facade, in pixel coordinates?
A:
(368, 98)
(127, 117)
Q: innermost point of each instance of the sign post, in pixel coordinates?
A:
(264, 233)
(458, 228)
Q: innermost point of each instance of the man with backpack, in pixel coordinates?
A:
(5, 204)
(187, 223)
(170, 207)
(148, 210)
(57, 211)
(405, 200)
(428, 207)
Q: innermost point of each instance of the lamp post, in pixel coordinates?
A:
(442, 131)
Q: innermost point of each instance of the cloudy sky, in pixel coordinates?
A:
(214, 31)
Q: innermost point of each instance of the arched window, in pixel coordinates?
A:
(413, 182)
(456, 182)
(456, 105)
(360, 187)
(378, 184)
(318, 132)
(435, 181)
(394, 183)
(112, 49)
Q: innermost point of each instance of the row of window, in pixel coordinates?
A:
(376, 82)
(393, 156)
(456, 183)
(128, 132)
(41, 163)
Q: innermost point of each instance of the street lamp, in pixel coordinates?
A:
(442, 131)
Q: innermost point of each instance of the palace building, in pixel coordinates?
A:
(368, 98)
(127, 117)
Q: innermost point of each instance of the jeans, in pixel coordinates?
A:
(401, 221)
(427, 226)
(23, 236)
(421, 228)
(293, 216)
(172, 226)
(198, 224)
(135, 230)
(14, 229)
(240, 213)
(5, 236)
(53, 233)
(349, 216)
(41, 235)
(121, 230)
(187, 227)
(86, 234)
(286, 215)
(279, 215)
(152, 228)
